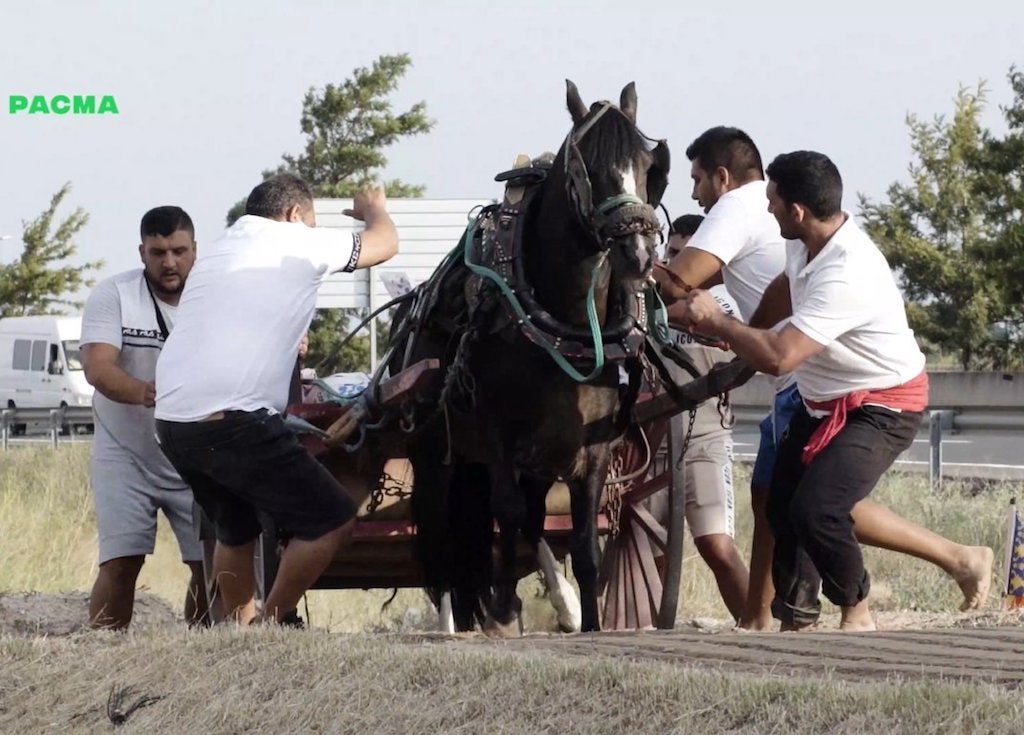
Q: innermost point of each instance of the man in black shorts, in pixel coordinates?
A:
(222, 382)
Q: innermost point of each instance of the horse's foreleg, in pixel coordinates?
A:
(585, 496)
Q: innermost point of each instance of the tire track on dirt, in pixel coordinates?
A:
(995, 655)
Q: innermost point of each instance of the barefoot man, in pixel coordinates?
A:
(864, 388)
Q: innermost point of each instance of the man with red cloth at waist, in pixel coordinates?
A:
(859, 370)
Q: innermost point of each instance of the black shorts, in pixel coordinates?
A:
(249, 462)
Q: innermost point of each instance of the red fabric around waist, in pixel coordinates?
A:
(911, 396)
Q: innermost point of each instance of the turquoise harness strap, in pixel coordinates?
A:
(524, 318)
(657, 316)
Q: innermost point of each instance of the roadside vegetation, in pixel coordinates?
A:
(51, 547)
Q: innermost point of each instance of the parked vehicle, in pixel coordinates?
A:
(40, 364)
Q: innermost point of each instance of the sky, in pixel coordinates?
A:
(210, 93)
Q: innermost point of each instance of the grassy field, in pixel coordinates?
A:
(50, 546)
(229, 680)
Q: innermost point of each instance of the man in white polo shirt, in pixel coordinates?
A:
(127, 318)
(737, 244)
(223, 379)
(710, 505)
(862, 378)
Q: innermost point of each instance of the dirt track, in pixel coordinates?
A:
(992, 654)
(986, 647)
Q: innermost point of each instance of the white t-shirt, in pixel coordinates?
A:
(847, 299)
(247, 302)
(740, 232)
(121, 312)
(707, 421)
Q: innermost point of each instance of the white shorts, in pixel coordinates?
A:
(710, 505)
(126, 504)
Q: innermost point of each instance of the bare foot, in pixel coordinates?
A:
(857, 619)
(794, 628)
(756, 625)
(974, 575)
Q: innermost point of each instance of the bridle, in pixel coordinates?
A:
(617, 216)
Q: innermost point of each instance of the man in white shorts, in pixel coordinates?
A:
(737, 244)
(126, 320)
(710, 503)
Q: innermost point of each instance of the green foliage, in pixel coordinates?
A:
(938, 232)
(329, 327)
(40, 281)
(236, 211)
(1002, 188)
(347, 128)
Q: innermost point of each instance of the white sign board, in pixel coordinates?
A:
(428, 229)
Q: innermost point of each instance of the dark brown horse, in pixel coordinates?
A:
(529, 395)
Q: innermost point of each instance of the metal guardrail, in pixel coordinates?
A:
(56, 419)
(940, 422)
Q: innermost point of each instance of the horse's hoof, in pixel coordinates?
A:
(495, 629)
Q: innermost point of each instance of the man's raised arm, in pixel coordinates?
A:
(379, 241)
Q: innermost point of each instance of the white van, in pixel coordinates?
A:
(40, 365)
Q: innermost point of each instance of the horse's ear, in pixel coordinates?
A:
(574, 102)
(657, 174)
(627, 102)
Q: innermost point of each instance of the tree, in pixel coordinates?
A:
(1002, 187)
(329, 327)
(936, 232)
(40, 281)
(347, 128)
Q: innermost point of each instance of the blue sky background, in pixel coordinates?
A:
(210, 93)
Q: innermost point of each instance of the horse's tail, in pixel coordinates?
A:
(431, 481)
(454, 533)
(472, 524)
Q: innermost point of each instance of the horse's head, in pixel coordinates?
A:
(614, 180)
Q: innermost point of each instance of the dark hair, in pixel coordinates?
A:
(277, 195)
(165, 221)
(686, 225)
(808, 178)
(730, 148)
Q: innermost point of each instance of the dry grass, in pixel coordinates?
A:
(44, 494)
(266, 680)
(235, 681)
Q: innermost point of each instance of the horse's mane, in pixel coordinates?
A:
(612, 141)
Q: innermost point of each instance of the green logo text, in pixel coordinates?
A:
(62, 104)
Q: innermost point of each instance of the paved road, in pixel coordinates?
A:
(989, 455)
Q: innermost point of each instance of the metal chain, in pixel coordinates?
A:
(613, 494)
(686, 437)
(387, 487)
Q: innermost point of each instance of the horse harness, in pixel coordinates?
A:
(495, 243)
